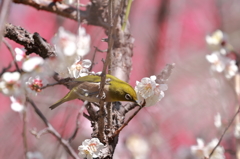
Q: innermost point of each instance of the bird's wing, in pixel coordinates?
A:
(94, 79)
(90, 91)
(89, 78)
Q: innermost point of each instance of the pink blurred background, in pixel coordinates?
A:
(164, 32)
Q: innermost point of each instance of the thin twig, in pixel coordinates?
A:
(93, 58)
(99, 50)
(77, 123)
(126, 123)
(230, 123)
(40, 133)
(5, 69)
(87, 116)
(50, 128)
(12, 53)
(24, 132)
(50, 85)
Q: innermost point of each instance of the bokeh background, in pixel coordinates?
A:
(165, 31)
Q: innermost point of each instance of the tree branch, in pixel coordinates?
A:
(91, 15)
(51, 130)
(33, 43)
(12, 53)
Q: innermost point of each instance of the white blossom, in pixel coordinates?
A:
(138, 146)
(83, 43)
(10, 83)
(33, 64)
(80, 68)
(231, 69)
(217, 120)
(217, 38)
(69, 47)
(20, 54)
(149, 90)
(198, 150)
(71, 44)
(218, 153)
(201, 151)
(217, 60)
(221, 63)
(17, 103)
(90, 148)
(37, 66)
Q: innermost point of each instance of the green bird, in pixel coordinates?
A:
(87, 88)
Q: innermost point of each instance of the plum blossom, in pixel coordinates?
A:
(34, 84)
(231, 69)
(217, 38)
(33, 64)
(20, 54)
(17, 103)
(69, 48)
(10, 83)
(36, 66)
(138, 146)
(80, 68)
(198, 150)
(70, 44)
(149, 90)
(217, 60)
(201, 151)
(221, 63)
(90, 148)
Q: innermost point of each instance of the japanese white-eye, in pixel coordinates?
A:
(87, 88)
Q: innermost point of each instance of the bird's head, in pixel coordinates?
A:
(122, 91)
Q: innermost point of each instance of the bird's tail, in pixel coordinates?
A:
(57, 104)
(70, 96)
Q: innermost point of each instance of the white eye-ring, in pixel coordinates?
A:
(128, 97)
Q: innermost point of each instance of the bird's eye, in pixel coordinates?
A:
(128, 97)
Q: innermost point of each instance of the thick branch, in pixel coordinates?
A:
(91, 15)
(33, 43)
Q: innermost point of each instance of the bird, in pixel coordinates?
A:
(87, 88)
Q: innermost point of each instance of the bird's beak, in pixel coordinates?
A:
(137, 102)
